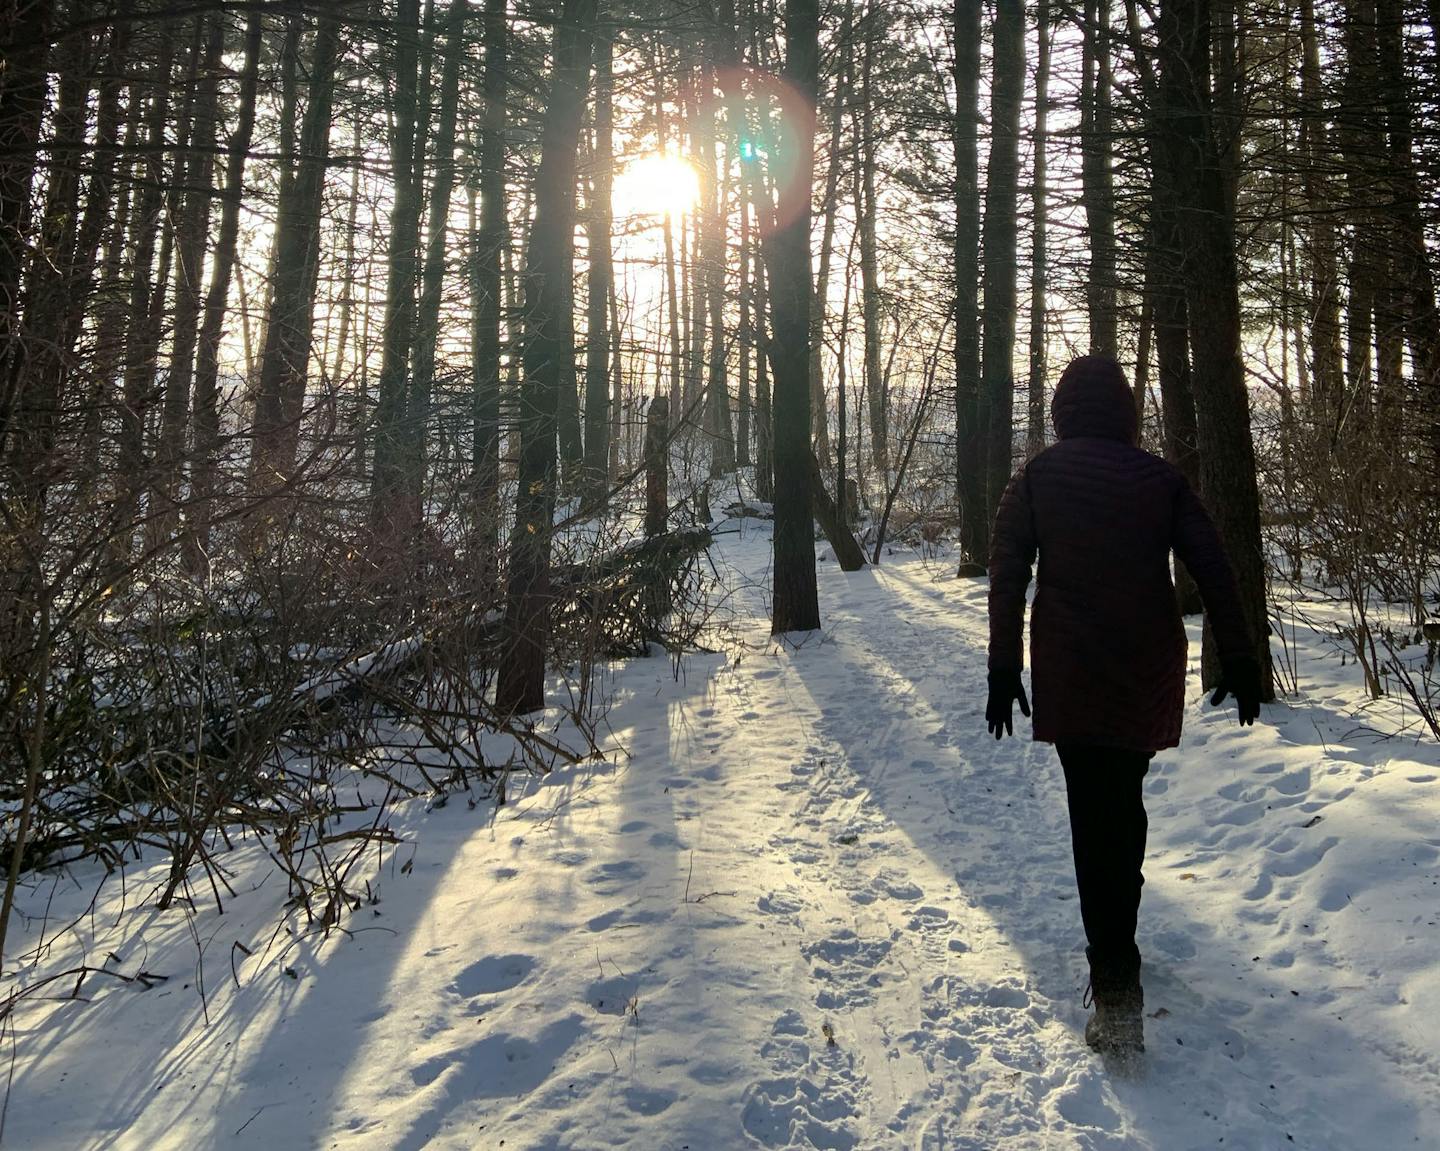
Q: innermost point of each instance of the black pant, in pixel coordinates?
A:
(1107, 831)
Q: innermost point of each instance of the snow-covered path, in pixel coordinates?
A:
(810, 904)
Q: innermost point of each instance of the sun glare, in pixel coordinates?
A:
(656, 184)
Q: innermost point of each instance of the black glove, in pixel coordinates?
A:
(1005, 689)
(1240, 677)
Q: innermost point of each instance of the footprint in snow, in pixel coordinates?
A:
(614, 995)
(1176, 944)
(929, 918)
(897, 886)
(649, 1100)
(492, 975)
(612, 878)
(779, 903)
(1084, 1104)
(622, 917)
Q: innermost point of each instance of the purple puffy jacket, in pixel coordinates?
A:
(1107, 646)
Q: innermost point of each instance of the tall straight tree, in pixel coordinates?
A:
(719, 428)
(486, 253)
(1208, 263)
(1358, 132)
(999, 243)
(1413, 260)
(432, 280)
(1165, 297)
(147, 287)
(36, 370)
(1097, 179)
(388, 511)
(970, 469)
(795, 604)
(829, 205)
(22, 107)
(869, 265)
(192, 239)
(289, 325)
(1321, 245)
(1035, 413)
(206, 418)
(600, 276)
(520, 687)
(738, 138)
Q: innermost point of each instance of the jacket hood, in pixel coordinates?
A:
(1093, 399)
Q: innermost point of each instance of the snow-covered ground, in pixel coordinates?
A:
(806, 903)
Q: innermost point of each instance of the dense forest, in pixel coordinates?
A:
(370, 359)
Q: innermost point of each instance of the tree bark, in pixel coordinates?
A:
(999, 244)
(486, 277)
(1035, 408)
(1097, 180)
(520, 687)
(795, 605)
(764, 412)
(142, 328)
(37, 363)
(206, 418)
(869, 266)
(192, 238)
(427, 324)
(1222, 405)
(1326, 353)
(22, 106)
(285, 358)
(600, 277)
(389, 511)
(970, 440)
(820, 297)
(719, 428)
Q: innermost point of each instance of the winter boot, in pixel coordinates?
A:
(1116, 1029)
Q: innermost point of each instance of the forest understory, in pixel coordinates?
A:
(495, 502)
(802, 900)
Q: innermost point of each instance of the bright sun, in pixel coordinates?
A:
(656, 184)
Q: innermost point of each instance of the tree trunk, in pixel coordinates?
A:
(657, 441)
(764, 417)
(869, 271)
(520, 687)
(487, 248)
(390, 514)
(1097, 180)
(719, 429)
(796, 605)
(999, 243)
(36, 366)
(142, 329)
(427, 325)
(22, 106)
(600, 277)
(1035, 408)
(820, 298)
(1326, 373)
(970, 439)
(1357, 129)
(285, 358)
(192, 238)
(1414, 273)
(1222, 405)
(206, 418)
(112, 283)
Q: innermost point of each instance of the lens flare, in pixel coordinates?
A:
(656, 184)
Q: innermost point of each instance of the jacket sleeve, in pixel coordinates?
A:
(1012, 551)
(1200, 549)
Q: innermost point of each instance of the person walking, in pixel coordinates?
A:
(1107, 650)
